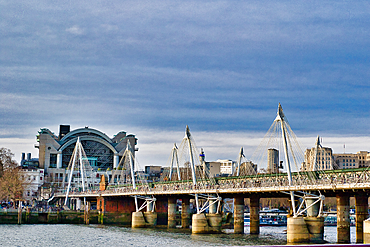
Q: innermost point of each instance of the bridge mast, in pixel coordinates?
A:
(77, 156)
(174, 157)
(281, 118)
(193, 171)
(241, 155)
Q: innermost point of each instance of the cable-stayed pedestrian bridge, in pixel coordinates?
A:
(327, 181)
(277, 169)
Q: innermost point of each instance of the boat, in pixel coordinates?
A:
(269, 218)
(331, 219)
(273, 220)
(247, 221)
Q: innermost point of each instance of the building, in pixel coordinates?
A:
(214, 168)
(363, 159)
(273, 160)
(103, 152)
(327, 160)
(227, 167)
(348, 161)
(154, 173)
(33, 178)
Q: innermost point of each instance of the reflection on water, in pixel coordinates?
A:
(97, 235)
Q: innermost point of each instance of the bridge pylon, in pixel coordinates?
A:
(303, 203)
(141, 217)
(202, 222)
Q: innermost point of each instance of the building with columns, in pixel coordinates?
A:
(103, 152)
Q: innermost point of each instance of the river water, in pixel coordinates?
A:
(98, 235)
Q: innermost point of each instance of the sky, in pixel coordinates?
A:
(152, 67)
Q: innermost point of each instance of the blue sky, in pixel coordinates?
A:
(152, 67)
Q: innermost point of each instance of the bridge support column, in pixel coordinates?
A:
(297, 231)
(171, 212)
(138, 220)
(212, 208)
(343, 221)
(367, 231)
(361, 205)
(101, 208)
(185, 212)
(87, 213)
(254, 209)
(150, 218)
(144, 219)
(206, 223)
(239, 215)
(314, 223)
(315, 226)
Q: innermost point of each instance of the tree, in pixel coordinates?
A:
(11, 184)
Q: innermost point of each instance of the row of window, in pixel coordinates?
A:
(350, 160)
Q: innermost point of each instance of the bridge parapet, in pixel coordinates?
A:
(356, 179)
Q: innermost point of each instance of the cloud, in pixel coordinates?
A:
(75, 30)
(219, 66)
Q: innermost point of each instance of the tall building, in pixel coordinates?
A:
(272, 160)
(318, 158)
(323, 158)
(103, 152)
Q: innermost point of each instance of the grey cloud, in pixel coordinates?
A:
(219, 65)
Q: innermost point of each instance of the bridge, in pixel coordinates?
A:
(188, 179)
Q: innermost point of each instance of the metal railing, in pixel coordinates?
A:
(353, 179)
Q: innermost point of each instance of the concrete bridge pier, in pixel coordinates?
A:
(138, 220)
(343, 220)
(315, 223)
(171, 212)
(367, 231)
(144, 219)
(254, 209)
(297, 231)
(150, 215)
(239, 215)
(206, 223)
(361, 206)
(185, 212)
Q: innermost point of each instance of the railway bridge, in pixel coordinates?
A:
(132, 199)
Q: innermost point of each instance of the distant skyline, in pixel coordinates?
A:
(152, 67)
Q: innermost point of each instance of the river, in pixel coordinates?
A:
(98, 235)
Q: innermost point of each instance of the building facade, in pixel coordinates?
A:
(33, 178)
(103, 152)
(323, 158)
(348, 161)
